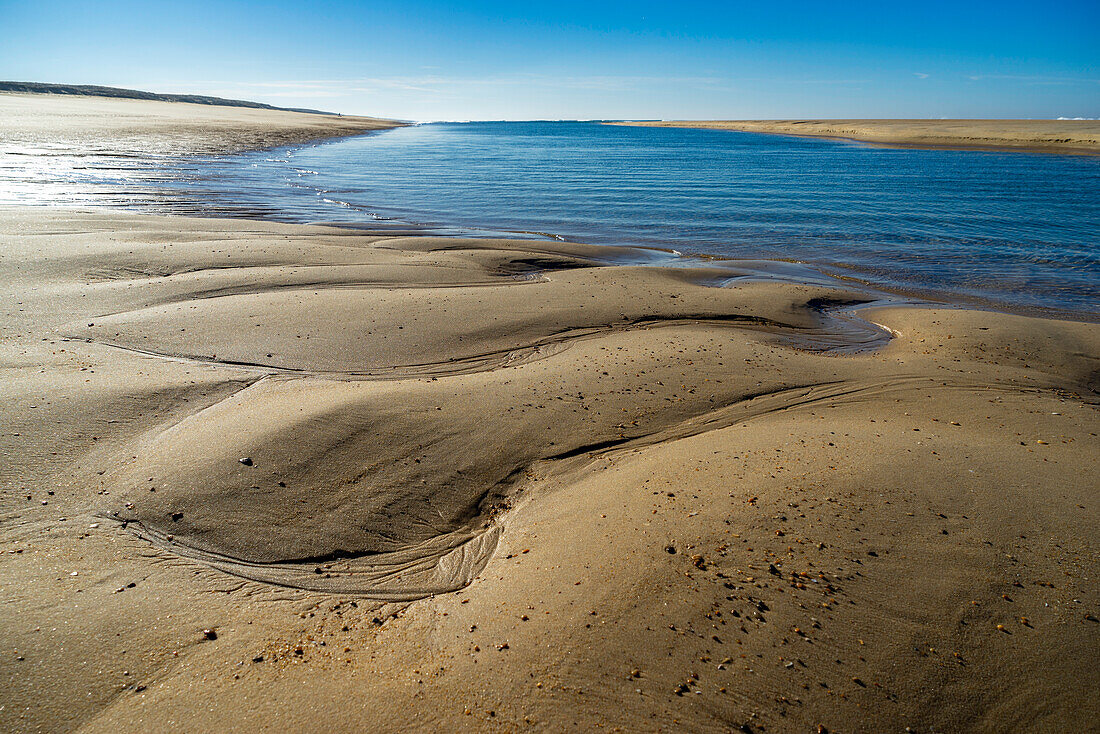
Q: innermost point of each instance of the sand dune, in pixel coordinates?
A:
(1047, 136)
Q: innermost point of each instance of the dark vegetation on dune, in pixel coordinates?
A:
(92, 90)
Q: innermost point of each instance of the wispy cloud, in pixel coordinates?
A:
(439, 87)
(920, 75)
(434, 84)
(795, 81)
(824, 81)
(1058, 80)
(341, 87)
(607, 82)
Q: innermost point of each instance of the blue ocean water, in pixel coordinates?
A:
(1014, 230)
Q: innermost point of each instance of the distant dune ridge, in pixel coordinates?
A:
(264, 476)
(94, 90)
(144, 123)
(1049, 136)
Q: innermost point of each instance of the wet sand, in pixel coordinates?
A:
(307, 478)
(1045, 136)
(491, 483)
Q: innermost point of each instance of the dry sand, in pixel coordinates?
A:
(1047, 136)
(134, 126)
(506, 485)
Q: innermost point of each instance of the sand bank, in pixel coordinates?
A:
(134, 126)
(1046, 136)
(497, 484)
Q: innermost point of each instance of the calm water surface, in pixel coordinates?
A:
(1008, 229)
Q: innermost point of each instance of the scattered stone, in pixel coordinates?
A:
(245, 460)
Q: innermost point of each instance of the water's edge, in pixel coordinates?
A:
(325, 181)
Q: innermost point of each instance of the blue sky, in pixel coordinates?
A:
(547, 60)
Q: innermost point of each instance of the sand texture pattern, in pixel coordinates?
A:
(262, 475)
(1046, 136)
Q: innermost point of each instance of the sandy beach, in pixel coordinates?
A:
(299, 478)
(136, 126)
(1080, 137)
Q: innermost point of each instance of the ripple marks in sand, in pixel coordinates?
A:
(439, 565)
(840, 332)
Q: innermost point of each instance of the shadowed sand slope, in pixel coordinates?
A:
(1050, 136)
(486, 484)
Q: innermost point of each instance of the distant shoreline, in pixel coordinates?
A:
(1074, 137)
(95, 90)
(144, 126)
